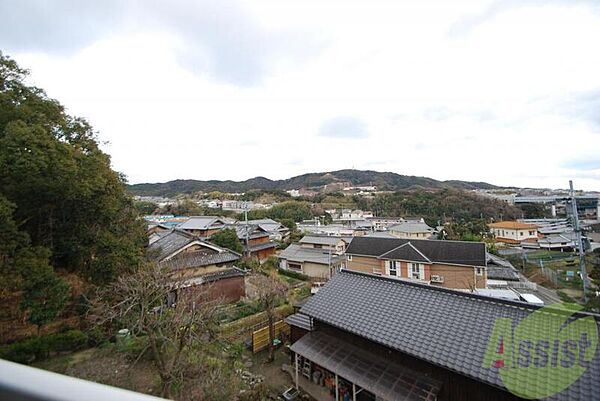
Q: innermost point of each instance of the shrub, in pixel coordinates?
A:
(295, 275)
(39, 348)
(71, 340)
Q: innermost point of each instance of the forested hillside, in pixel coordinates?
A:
(384, 181)
(63, 210)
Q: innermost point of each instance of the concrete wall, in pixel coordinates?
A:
(315, 270)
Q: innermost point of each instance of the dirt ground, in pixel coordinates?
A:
(274, 376)
(107, 367)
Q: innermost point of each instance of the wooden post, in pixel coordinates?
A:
(353, 392)
(296, 360)
(337, 390)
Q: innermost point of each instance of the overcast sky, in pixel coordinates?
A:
(506, 92)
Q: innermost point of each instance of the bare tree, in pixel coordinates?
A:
(270, 291)
(139, 302)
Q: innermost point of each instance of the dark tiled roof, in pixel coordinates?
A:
(260, 247)
(501, 273)
(169, 243)
(213, 276)
(222, 274)
(452, 252)
(500, 269)
(407, 251)
(300, 320)
(447, 328)
(199, 259)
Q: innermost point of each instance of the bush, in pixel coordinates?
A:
(71, 340)
(292, 274)
(134, 347)
(39, 348)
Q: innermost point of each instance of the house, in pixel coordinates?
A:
(255, 240)
(367, 337)
(204, 226)
(313, 262)
(412, 230)
(193, 262)
(450, 264)
(276, 230)
(383, 223)
(513, 232)
(500, 269)
(155, 231)
(331, 243)
(566, 241)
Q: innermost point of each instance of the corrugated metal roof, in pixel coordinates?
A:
(387, 380)
(296, 253)
(320, 240)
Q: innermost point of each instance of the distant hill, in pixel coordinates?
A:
(383, 181)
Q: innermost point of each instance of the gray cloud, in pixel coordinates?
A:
(344, 128)
(55, 26)
(220, 40)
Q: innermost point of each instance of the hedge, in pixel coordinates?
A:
(38, 348)
(295, 275)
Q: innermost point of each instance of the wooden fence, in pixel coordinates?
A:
(260, 337)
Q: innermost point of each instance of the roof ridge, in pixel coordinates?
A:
(450, 291)
(420, 253)
(398, 247)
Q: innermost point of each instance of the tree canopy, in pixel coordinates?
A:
(61, 204)
(227, 238)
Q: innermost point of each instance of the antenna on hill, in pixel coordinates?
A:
(580, 249)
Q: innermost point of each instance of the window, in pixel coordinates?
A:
(479, 271)
(392, 269)
(521, 233)
(416, 271)
(295, 266)
(531, 232)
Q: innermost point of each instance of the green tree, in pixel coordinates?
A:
(25, 268)
(294, 210)
(65, 193)
(227, 238)
(144, 207)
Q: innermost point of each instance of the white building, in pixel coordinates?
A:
(513, 232)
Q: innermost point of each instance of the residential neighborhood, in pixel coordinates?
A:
(299, 201)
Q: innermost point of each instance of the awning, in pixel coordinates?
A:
(385, 379)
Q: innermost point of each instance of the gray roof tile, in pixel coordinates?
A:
(447, 328)
(452, 252)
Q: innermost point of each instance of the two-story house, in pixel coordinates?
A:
(255, 240)
(450, 264)
(513, 232)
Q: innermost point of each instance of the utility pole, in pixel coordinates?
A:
(246, 230)
(582, 269)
